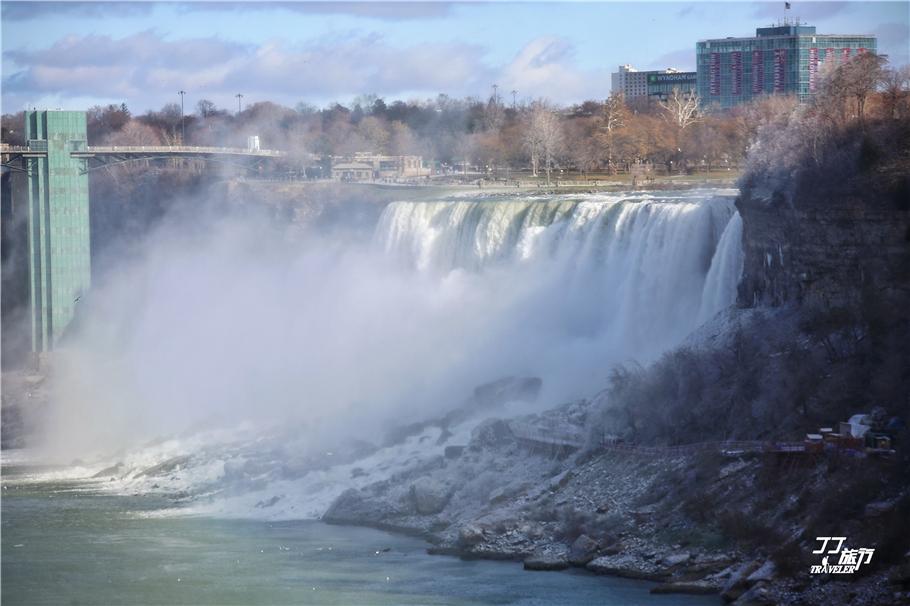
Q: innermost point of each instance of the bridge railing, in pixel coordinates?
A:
(148, 149)
(6, 148)
(170, 149)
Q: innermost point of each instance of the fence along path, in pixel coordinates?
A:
(575, 441)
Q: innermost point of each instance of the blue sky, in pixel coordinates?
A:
(75, 54)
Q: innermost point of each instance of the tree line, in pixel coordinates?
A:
(595, 136)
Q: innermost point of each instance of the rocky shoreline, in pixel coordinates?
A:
(625, 514)
(546, 525)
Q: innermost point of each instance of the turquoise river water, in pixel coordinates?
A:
(71, 543)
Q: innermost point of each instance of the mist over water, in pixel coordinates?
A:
(329, 337)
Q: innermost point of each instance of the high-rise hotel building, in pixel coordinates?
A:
(779, 60)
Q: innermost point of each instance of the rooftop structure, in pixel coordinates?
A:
(783, 59)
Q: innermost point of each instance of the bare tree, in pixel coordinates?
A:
(681, 112)
(532, 143)
(206, 108)
(860, 76)
(681, 108)
(584, 148)
(543, 137)
(375, 132)
(402, 141)
(896, 91)
(134, 133)
(493, 115)
(614, 117)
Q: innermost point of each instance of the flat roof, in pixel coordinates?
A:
(789, 36)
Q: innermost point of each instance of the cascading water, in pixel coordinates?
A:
(726, 270)
(316, 345)
(630, 275)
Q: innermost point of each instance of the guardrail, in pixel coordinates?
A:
(552, 438)
(19, 149)
(577, 441)
(169, 149)
(722, 446)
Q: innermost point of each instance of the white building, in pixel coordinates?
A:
(629, 82)
(633, 83)
(365, 166)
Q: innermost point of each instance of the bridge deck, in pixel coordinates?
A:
(176, 151)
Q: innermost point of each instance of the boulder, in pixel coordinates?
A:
(354, 507)
(757, 596)
(628, 566)
(737, 584)
(547, 560)
(582, 551)
(614, 549)
(429, 496)
(766, 572)
(470, 535)
(491, 433)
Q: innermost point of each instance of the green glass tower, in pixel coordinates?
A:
(58, 223)
(779, 60)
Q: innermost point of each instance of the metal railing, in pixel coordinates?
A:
(553, 438)
(147, 149)
(574, 440)
(176, 149)
(19, 149)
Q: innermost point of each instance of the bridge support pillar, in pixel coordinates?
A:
(58, 223)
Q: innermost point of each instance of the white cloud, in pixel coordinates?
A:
(144, 68)
(545, 67)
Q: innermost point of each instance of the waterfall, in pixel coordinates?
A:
(726, 270)
(612, 276)
(276, 349)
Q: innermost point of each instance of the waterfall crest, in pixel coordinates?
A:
(626, 277)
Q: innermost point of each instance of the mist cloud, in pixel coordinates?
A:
(225, 318)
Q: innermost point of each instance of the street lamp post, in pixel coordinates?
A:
(182, 122)
(239, 98)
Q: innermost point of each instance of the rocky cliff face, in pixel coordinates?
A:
(823, 249)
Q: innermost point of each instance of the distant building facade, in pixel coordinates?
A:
(780, 60)
(661, 84)
(368, 167)
(352, 171)
(655, 84)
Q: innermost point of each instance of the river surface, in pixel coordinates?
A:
(67, 542)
